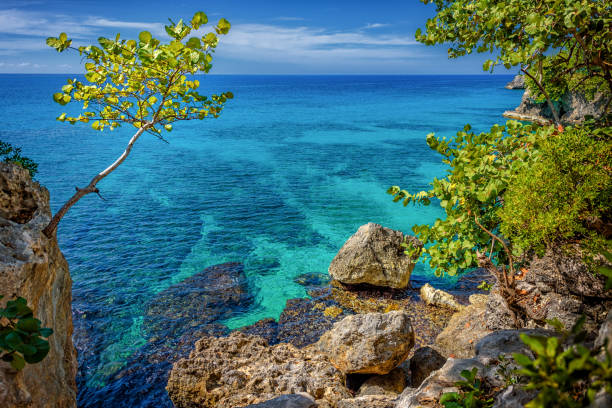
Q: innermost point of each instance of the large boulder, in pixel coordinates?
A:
(374, 256)
(464, 329)
(33, 267)
(437, 297)
(240, 369)
(372, 343)
(423, 362)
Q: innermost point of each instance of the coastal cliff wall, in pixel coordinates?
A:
(32, 266)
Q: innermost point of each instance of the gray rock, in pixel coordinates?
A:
(423, 362)
(372, 343)
(605, 333)
(506, 342)
(513, 397)
(465, 328)
(518, 82)
(33, 267)
(439, 382)
(573, 108)
(374, 256)
(497, 315)
(368, 401)
(602, 400)
(389, 384)
(287, 401)
(437, 297)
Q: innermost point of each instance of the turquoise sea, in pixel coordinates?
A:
(294, 165)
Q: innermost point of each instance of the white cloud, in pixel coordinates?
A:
(375, 25)
(311, 45)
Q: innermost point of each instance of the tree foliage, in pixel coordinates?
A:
(564, 194)
(558, 44)
(22, 340)
(144, 82)
(11, 154)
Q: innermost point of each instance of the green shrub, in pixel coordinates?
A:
(473, 392)
(21, 337)
(12, 154)
(557, 198)
(566, 376)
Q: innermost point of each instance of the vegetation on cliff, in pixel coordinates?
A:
(143, 83)
(12, 154)
(521, 189)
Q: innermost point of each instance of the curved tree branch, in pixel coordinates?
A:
(50, 229)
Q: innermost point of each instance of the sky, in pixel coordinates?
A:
(267, 37)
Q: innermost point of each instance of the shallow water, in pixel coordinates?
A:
(292, 168)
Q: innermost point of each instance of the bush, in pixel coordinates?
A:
(12, 154)
(562, 194)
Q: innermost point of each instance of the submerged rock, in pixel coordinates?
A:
(374, 256)
(33, 267)
(373, 343)
(239, 370)
(174, 320)
(437, 297)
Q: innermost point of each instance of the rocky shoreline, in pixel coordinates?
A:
(363, 338)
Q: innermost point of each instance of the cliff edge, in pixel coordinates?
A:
(32, 266)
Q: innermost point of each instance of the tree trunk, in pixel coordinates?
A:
(550, 104)
(50, 229)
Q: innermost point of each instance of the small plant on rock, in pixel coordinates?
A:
(22, 340)
(566, 376)
(474, 392)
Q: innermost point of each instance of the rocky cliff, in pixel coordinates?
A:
(32, 266)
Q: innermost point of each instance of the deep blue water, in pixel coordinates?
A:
(292, 168)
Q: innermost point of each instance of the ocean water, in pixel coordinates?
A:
(294, 165)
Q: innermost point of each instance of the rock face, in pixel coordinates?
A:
(518, 82)
(374, 256)
(423, 362)
(239, 370)
(437, 297)
(288, 401)
(372, 343)
(32, 266)
(487, 351)
(573, 108)
(557, 285)
(465, 328)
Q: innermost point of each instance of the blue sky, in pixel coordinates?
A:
(267, 37)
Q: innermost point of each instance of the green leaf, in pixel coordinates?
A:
(145, 37)
(223, 26)
(17, 362)
(199, 18)
(29, 325)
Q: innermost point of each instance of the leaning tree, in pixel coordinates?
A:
(145, 83)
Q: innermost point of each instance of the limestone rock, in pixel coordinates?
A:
(239, 370)
(372, 343)
(368, 401)
(437, 297)
(389, 384)
(32, 266)
(506, 342)
(605, 333)
(464, 329)
(518, 82)
(573, 108)
(440, 381)
(423, 362)
(287, 401)
(514, 397)
(374, 256)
